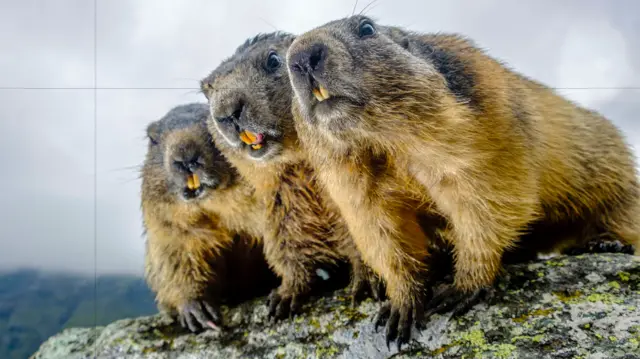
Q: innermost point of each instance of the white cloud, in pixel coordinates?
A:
(594, 55)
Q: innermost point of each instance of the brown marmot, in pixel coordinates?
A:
(251, 122)
(201, 249)
(497, 153)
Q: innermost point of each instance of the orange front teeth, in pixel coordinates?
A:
(248, 137)
(321, 93)
(193, 182)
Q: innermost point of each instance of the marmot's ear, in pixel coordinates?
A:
(205, 87)
(154, 132)
(405, 43)
(291, 38)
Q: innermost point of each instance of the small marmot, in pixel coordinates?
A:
(195, 209)
(251, 122)
(498, 154)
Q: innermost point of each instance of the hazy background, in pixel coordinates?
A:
(151, 55)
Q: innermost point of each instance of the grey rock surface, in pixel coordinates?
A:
(581, 307)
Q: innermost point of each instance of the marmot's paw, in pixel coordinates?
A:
(399, 321)
(452, 299)
(601, 246)
(283, 306)
(197, 315)
(368, 283)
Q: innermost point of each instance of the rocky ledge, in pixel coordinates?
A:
(585, 306)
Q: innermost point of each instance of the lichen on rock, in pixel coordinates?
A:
(581, 307)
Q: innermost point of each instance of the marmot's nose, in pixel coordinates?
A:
(187, 164)
(232, 113)
(309, 60)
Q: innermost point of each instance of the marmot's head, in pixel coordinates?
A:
(249, 96)
(181, 158)
(348, 72)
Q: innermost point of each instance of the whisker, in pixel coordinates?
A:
(126, 168)
(195, 91)
(268, 23)
(371, 9)
(185, 79)
(129, 180)
(365, 8)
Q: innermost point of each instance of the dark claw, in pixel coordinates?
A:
(441, 301)
(398, 323)
(392, 327)
(611, 247)
(190, 323)
(358, 292)
(378, 290)
(214, 312)
(198, 314)
(200, 317)
(274, 299)
(418, 317)
(455, 301)
(281, 307)
(363, 286)
(357, 289)
(382, 316)
(601, 246)
(405, 328)
(296, 305)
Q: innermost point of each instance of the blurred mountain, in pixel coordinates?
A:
(35, 305)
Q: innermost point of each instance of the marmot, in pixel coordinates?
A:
(497, 154)
(201, 249)
(251, 122)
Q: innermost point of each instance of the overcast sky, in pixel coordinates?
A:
(151, 55)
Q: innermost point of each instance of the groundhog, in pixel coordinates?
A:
(198, 216)
(251, 122)
(389, 114)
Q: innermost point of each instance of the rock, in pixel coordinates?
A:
(586, 306)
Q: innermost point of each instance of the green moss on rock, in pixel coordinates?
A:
(580, 307)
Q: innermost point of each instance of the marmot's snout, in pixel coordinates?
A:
(228, 113)
(188, 166)
(308, 64)
(233, 111)
(309, 60)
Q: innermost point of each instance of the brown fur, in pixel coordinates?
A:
(496, 153)
(203, 249)
(305, 231)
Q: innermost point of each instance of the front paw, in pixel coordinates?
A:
(601, 246)
(451, 299)
(399, 320)
(283, 305)
(368, 283)
(198, 315)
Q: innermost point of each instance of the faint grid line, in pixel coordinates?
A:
(231, 88)
(95, 170)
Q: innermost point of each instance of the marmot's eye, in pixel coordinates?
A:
(273, 62)
(152, 138)
(366, 29)
(205, 87)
